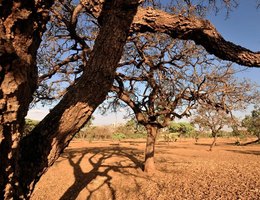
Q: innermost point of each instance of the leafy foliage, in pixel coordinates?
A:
(132, 129)
(252, 122)
(182, 128)
(29, 125)
(118, 136)
(95, 133)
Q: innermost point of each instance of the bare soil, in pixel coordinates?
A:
(109, 170)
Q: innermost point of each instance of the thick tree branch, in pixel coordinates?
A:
(125, 97)
(201, 31)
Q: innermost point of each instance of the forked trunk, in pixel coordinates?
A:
(214, 142)
(149, 165)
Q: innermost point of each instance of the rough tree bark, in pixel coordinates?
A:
(201, 31)
(21, 26)
(149, 165)
(43, 146)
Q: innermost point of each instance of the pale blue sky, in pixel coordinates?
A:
(242, 27)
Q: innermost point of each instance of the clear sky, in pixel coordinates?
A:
(242, 27)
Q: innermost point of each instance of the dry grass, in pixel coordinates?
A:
(105, 170)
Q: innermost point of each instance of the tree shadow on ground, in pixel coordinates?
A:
(171, 146)
(252, 152)
(203, 144)
(232, 143)
(100, 167)
(134, 142)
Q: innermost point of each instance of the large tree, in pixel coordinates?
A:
(238, 95)
(161, 79)
(22, 23)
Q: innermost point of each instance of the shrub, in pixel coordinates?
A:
(118, 136)
(182, 128)
(29, 126)
(170, 137)
(131, 130)
(95, 133)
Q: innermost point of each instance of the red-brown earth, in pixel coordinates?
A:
(108, 170)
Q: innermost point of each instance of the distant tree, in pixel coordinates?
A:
(213, 120)
(131, 125)
(182, 128)
(239, 132)
(104, 132)
(29, 125)
(132, 129)
(252, 123)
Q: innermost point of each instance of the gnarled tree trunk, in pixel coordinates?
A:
(42, 147)
(149, 165)
(21, 26)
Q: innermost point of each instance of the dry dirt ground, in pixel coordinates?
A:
(106, 170)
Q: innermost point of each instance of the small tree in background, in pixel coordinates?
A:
(239, 132)
(213, 120)
(184, 129)
(132, 129)
(177, 130)
(29, 126)
(96, 133)
(252, 123)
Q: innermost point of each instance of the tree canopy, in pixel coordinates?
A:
(252, 122)
(22, 26)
